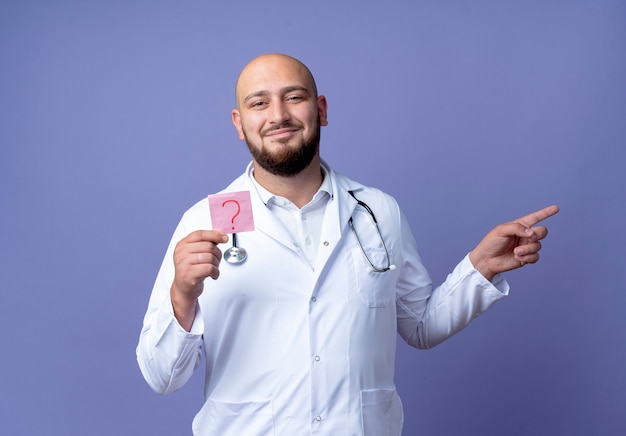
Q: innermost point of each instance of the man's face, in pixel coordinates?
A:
(279, 115)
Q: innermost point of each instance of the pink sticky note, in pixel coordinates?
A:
(231, 212)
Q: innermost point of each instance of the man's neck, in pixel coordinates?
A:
(299, 189)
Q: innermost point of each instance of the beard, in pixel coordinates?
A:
(287, 161)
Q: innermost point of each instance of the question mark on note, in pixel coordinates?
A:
(232, 220)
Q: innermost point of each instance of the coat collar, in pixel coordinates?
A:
(338, 211)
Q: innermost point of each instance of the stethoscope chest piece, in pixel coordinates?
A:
(234, 254)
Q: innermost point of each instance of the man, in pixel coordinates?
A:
(300, 337)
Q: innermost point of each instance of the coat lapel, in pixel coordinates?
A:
(338, 212)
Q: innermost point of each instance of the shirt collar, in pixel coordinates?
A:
(267, 197)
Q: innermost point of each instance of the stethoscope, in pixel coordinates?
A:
(237, 255)
(379, 269)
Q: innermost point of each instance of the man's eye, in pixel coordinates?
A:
(294, 98)
(257, 104)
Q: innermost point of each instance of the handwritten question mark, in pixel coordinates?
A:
(236, 213)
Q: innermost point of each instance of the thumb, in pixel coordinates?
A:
(516, 229)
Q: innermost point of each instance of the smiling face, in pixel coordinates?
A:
(279, 114)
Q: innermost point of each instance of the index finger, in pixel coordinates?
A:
(207, 235)
(533, 218)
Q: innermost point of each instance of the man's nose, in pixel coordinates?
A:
(278, 112)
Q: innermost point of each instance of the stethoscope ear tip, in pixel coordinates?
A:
(381, 270)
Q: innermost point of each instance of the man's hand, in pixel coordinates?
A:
(511, 245)
(196, 257)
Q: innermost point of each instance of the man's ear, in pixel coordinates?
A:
(236, 117)
(322, 110)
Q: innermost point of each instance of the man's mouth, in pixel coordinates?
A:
(281, 132)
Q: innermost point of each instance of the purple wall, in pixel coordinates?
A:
(115, 117)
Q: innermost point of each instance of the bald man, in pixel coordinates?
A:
(299, 338)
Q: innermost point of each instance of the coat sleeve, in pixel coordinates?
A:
(167, 354)
(426, 315)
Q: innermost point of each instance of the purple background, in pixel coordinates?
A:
(115, 117)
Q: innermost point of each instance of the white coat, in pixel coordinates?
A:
(294, 350)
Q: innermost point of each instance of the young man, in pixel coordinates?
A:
(300, 337)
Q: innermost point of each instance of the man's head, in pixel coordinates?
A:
(279, 113)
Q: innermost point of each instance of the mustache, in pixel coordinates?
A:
(280, 126)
